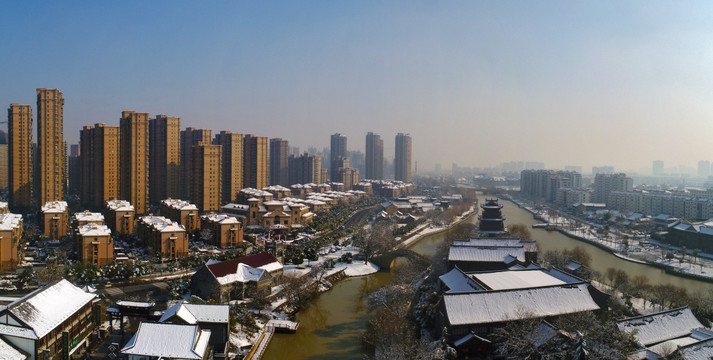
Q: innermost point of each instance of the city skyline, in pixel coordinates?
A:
(609, 80)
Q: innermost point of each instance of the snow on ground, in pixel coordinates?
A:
(639, 250)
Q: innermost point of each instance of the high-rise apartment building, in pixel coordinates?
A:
(704, 169)
(164, 158)
(134, 159)
(546, 184)
(337, 151)
(20, 155)
(206, 177)
(255, 170)
(232, 157)
(4, 148)
(74, 166)
(402, 159)
(279, 174)
(374, 161)
(190, 138)
(99, 169)
(605, 169)
(606, 183)
(50, 145)
(657, 168)
(305, 169)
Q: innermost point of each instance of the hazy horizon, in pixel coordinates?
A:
(474, 83)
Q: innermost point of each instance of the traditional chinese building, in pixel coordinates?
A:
(491, 220)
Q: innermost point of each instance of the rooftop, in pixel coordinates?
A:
(179, 204)
(655, 328)
(119, 205)
(195, 313)
(169, 341)
(94, 230)
(485, 254)
(87, 216)
(46, 308)
(54, 207)
(508, 305)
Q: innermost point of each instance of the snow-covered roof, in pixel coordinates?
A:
(87, 216)
(119, 205)
(508, 305)
(8, 352)
(698, 351)
(168, 341)
(53, 207)
(161, 223)
(10, 221)
(516, 279)
(655, 328)
(179, 204)
(240, 207)
(46, 308)
(244, 273)
(221, 218)
(135, 304)
(458, 281)
(489, 242)
(93, 229)
(195, 313)
(484, 254)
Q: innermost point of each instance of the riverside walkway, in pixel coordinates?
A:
(266, 335)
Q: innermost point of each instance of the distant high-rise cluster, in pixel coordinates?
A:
(545, 184)
(657, 168)
(144, 160)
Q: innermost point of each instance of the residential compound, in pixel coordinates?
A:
(182, 212)
(545, 184)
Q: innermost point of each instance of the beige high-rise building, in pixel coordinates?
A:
(279, 150)
(134, 159)
(4, 160)
(305, 169)
(207, 166)
(164, 158)
(402, 160)
(189, 138)
(20, 157)
(50, 145)
(255, 161)
(374, 159)
(232, 158)
(99, 165)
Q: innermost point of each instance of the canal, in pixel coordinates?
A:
(332, 324)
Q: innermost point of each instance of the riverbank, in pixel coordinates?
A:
(429, 229)
(704, 273)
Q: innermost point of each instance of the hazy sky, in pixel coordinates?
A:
(475, 83)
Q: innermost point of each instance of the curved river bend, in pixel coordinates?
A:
(331, 325)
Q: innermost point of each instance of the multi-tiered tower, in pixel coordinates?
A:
(492, 222)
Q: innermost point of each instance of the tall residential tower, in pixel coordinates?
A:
(279, 174)
(374, 162)
(134, 160)
(20, 157)
(164, 158)
(50, 145)
(402, 160)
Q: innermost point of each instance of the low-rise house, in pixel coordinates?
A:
(181, 212)
(120, 216)
(664, 332)
(227, 231)
(215, 318)
(10, 235)
(165, 237)
(94, 244)
(169, 342)
(53, 320)
(55, 219)
(236, 278)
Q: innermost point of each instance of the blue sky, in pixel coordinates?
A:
(475, 83)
